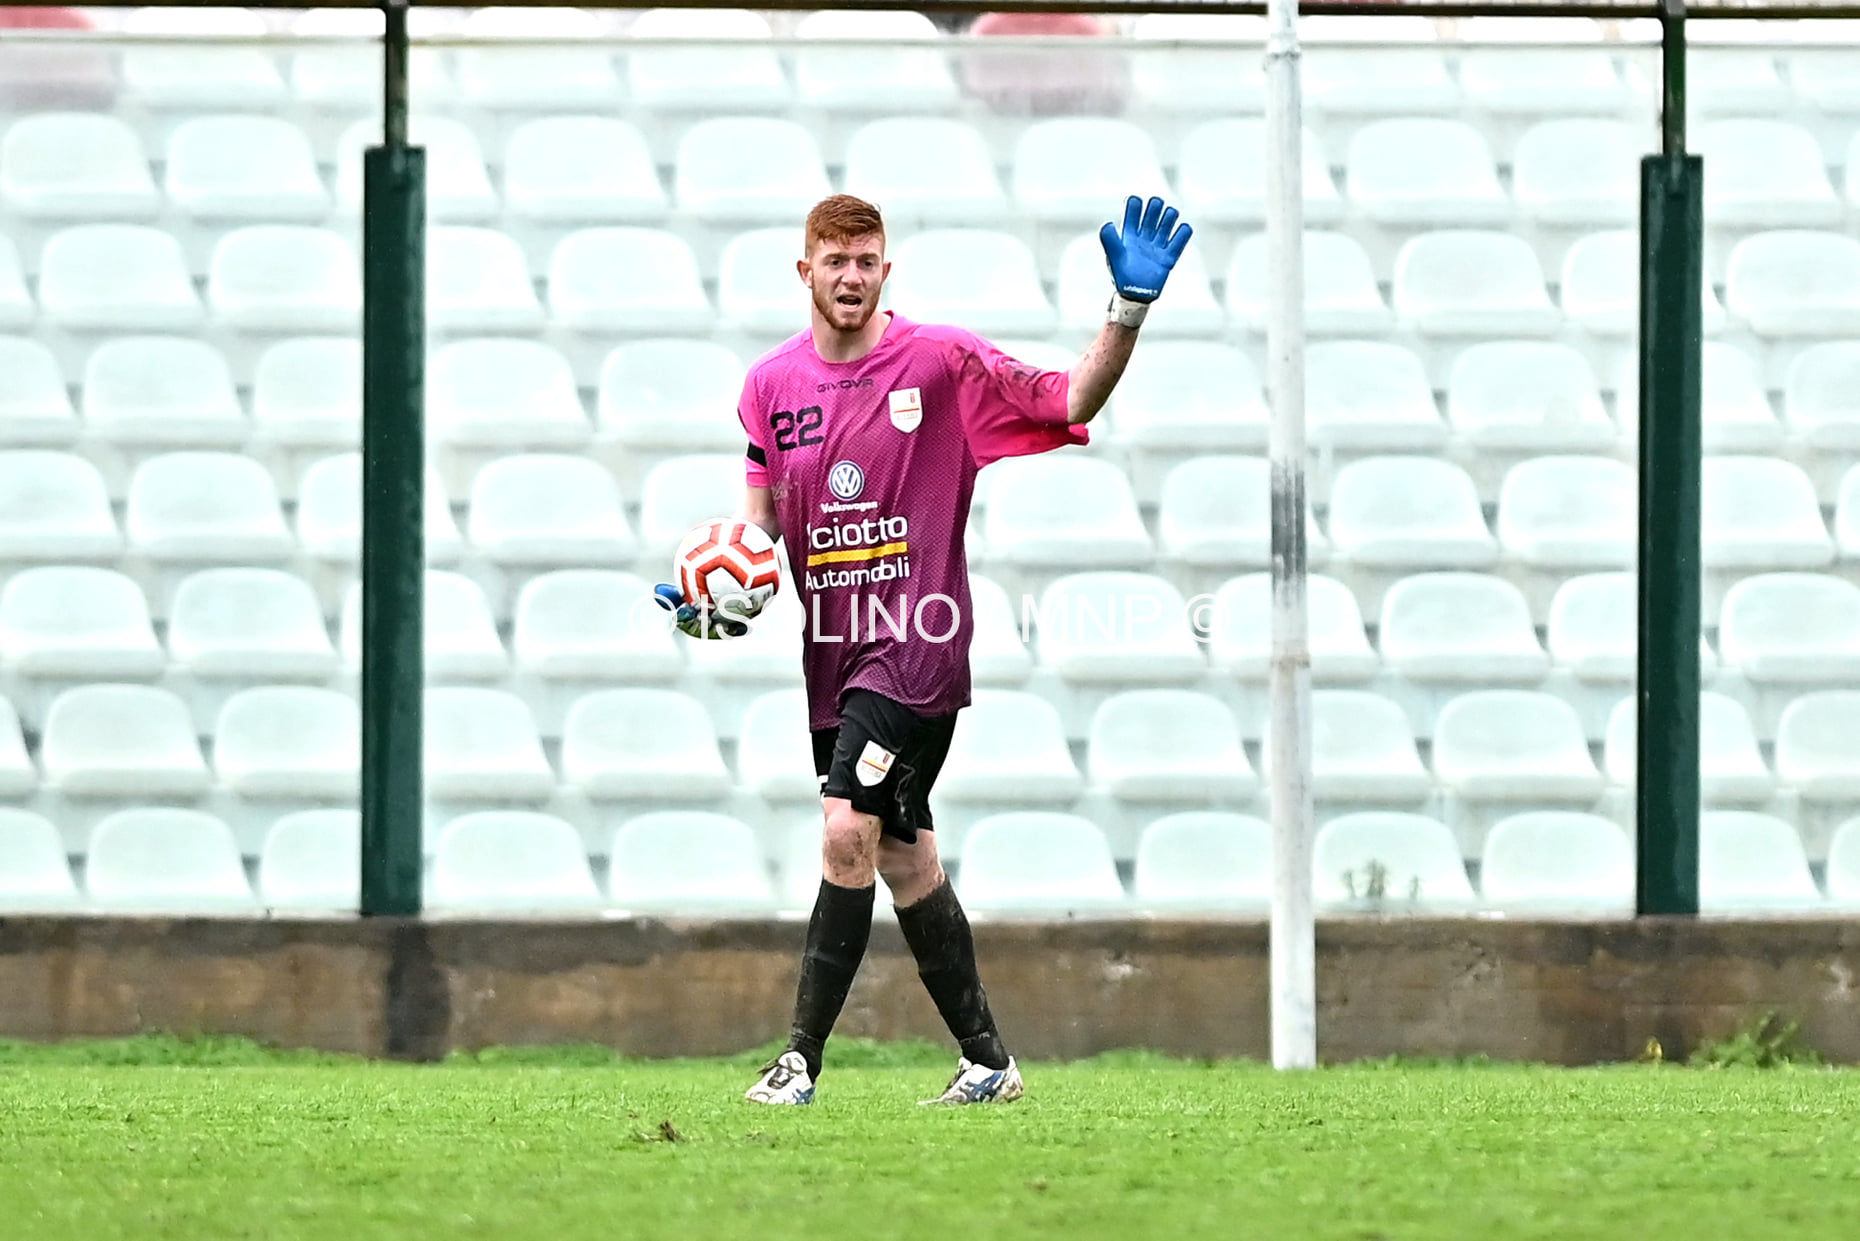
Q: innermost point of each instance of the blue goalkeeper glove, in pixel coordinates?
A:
(1142, 256)
(726, 617)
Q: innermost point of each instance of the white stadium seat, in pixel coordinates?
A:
(1592, 629)
(117, 278)
(1731, 767)
(1821, 396)
(188, 76)
(1110, 626)
(1063, 512)
(1080, 169)
(1821, 69)
(1168, 745)
(285, 278)
(1601, 285)
(758, 288)
(581, 169)
(627, 279)
(477, 280)
(461, 642)
(1038, 862)
(34, 875)
(1815, 753)
(549, 509)
(54, 506)
(1763, 173)
(482, 745)
(307, 393)
(692, 862)
(1182, 395)
(1205, 861)
(263, 624)
(1388, 861)
(71, 621)
(671, 393)
(1548, 862)
(75, 166)
(311, 862)
(1752, 862)
(997, 654)
(1795, 282)
(1221, 174)
(345, 77)
(121, 741)
(770, 655)
(1421, 512)
(35, 405)
(1459, 627)
(165, 860)
(1185, 78)
(16, 305)
(1187, 307)
(1423, 171)
(1471, 282)
(1369, 396)
(507, 75)
(1513, 745)
(1539, 79)
(1215, 512)
(1240, 630)
(729, 62)
(1760, 513)
(1527, 396)
(592, 624)
(243, 168)
(1723, 77)
(642, 744)
(150, 391)
(1394, 67)
(1578, 171)
(1362, 750)
(681, 492)
(458, 186)
(289, 741)
(1569, 513)
(329, 512)
(1341, 294)
(933, 170)
(205, 506)
(1009, 746)
(908, 75)
(982, 280)
(503, 393)
(1735, 408)
(774, 750)
(513, 862)
(748, 170)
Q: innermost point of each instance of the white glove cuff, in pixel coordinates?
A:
(1126, 312)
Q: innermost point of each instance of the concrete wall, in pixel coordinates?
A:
(1570, 993)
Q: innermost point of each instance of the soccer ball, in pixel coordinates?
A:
(727, 556)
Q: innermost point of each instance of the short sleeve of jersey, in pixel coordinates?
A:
(755, 457)
(1009, 408)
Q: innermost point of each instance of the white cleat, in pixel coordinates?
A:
(977, 1083)
(783, 1081)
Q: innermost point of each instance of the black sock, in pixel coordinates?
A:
(836, 939)
(937, 930)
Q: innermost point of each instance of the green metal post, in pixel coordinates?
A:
(1671, 462)
(393, 498)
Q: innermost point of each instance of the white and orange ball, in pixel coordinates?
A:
(727, 556)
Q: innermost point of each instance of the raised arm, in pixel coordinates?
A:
(1141, 258)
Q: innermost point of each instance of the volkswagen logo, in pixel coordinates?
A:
(846, 480)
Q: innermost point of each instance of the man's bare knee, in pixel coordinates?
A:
(849, 846)
(912, 871)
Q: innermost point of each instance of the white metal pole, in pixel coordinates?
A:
(1294, 934)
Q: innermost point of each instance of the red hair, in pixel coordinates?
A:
(841, 218)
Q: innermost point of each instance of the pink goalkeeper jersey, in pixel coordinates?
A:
(872, 465)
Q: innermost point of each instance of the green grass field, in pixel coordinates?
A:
(155, 1138)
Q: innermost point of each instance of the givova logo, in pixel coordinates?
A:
(846, 480)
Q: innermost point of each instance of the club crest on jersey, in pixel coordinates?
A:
(874, 764)
(907, 408)
(846, 480)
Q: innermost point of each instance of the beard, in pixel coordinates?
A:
(845, 318)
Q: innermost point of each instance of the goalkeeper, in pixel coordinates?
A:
(866, 432)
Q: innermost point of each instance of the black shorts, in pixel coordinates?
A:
(883, 757)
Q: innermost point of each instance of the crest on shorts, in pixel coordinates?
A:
(907, 408)
(874, 763)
